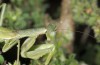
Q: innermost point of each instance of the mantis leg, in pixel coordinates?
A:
(9, 44)
(40, 51)
(50, 55)
(18, 53)
(27, 45)
(2, 13)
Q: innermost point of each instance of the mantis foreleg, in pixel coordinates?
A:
(41, 50)
(9, 44)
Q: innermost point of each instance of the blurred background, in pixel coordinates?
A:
(77, 20)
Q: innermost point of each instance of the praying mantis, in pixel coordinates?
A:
(11, 38)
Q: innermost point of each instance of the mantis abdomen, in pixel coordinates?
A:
(6, 33)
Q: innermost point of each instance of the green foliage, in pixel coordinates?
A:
(96, 28)
(18, 16)
(85, 11)
(71, 60)
(32, 13)
(98, 55)
(1, 59)
(14, 18)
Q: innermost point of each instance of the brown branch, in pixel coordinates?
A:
(66, 24)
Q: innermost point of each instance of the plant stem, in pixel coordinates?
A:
(2, 13)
